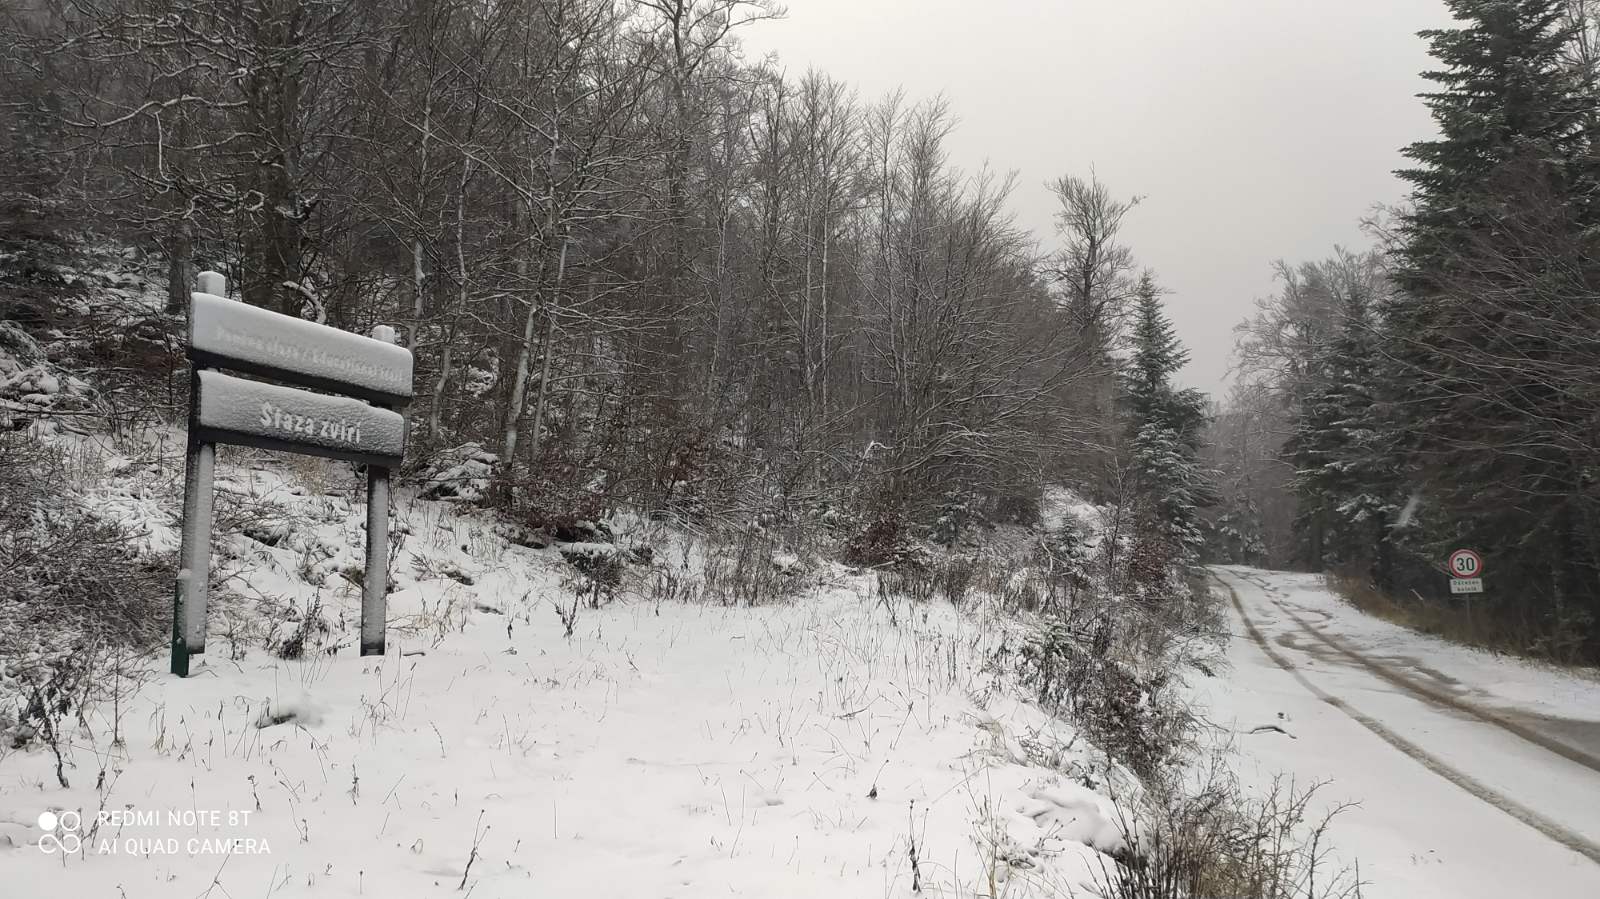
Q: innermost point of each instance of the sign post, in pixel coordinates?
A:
(1466, 572)
(194, 554)
(366, 378)
(375, 583)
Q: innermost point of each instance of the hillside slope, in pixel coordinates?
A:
(836, 742)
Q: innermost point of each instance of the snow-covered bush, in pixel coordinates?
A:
(1067, 557)
(1016, 507)
(956, 575)
(951, 518)
(884, 541)
(310, 631)
(748, 565)
(29, 384)
(600, 567)
(1212, 839)
(917, 583)
(460, 473)
(71, 591)
(1086, 663)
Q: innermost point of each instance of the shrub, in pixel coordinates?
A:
(65, 573)
(599, 566)
(916, 583)
(1066, 556)
(750, 567)
(463, 473)
(1088, 664)
(955, 577)
(558, 515)
(884, 542)
(1214, 841)
(1017, 507)
(953, 514)
(72, 596)
(309, 633)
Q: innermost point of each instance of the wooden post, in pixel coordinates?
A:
(375, 583)
(194, 557)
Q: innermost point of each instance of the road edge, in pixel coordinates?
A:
(1416, 753)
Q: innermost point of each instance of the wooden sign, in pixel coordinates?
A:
(367, 374)
(233, 410)
(262, 342)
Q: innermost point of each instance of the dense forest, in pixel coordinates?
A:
(637, 267)
(640, 268)
(1442, 389)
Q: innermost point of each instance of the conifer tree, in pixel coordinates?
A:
(1342, 478)
(1164, 425)
(1483, 375)
(1505, 93)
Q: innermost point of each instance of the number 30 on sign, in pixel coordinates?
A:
(1466, 563)
(1466, 572)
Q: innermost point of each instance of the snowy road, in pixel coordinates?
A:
(1475, 775)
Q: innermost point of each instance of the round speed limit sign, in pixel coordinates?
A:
(1466, 563)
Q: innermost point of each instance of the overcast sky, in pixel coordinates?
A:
(1255, 129)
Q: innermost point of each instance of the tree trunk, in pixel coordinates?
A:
(178, 267)
(547, 348)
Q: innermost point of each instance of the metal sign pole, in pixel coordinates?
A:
(194, 555)
(194, 560)
(375, 584)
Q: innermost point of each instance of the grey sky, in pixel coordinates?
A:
(1255, 129)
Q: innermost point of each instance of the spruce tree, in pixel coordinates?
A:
(1505, 92)
(1343, 482)
(1157, 354)
(1164, 426)
(1484, 378)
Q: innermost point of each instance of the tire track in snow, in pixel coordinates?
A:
(1426, 693)
(1493, 797)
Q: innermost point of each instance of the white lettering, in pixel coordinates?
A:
(194, 818)
(319, 358)
(128, 817)
(325, 429)
(149, 846)
(227, 846)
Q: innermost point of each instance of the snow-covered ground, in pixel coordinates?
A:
(831, 745)
(1448, 804)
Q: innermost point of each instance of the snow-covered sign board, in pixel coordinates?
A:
(261, 342)
(1466, 585)
(233, 410)
(1464, 563)
(362, 378)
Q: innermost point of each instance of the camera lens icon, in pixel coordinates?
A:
(60, 832)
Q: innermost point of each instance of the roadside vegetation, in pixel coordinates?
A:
(1434, 391)
(1487, 622)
